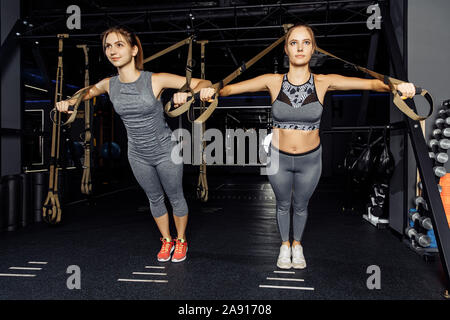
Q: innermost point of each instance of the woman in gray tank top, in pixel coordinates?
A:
(135, 96)
(295, 153)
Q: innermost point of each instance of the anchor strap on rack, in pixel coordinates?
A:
(51, 210)
(202, 184)
(86, 183)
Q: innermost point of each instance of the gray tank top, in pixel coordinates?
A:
(142, 115)
(297, 107)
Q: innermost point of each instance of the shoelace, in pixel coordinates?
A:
(166, 245)
(179, 246)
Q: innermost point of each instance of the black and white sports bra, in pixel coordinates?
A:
(297, 107)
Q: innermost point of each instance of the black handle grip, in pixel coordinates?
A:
(418, 91)
(172, 104)
(195, 97)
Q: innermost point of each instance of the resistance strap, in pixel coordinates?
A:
(219, 85)
(86, 183)
(398, 101)
(169, 49)
(51, 208)
(202, 185)
(189, 68)
(186, 88)
(78, 97)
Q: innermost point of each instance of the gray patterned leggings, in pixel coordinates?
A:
(296, 179)
(155, 178)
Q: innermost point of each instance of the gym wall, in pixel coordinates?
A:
(10, 93)
(428, 53)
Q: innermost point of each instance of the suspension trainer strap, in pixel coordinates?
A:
(86, 183)
(202, 185)
(186, 88)
(78, 96)
(51, 210)
(391, 82)
(219, 85)
(169, 49)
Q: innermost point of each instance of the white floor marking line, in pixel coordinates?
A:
(284, 279)
(284, 287)
(154, 267)
(23, 268)
(150, 273)
(141, 280)
(16, 275)
(37, 262)
(288, 272)
(219, 187)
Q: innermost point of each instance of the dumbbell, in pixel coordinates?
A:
(443, 144)
(442, 114)
(438, 133)
(446, 132)
(425, 222)
(422, 239)
(441, 157)
(420, 202)
(439, 171)
(375, 210)
(440, 123)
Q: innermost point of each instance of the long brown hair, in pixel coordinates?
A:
(299, 25)
(132, 40)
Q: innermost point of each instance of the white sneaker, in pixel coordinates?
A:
(298, 260)
(284, 258)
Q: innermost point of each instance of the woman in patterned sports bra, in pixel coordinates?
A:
(295, 148)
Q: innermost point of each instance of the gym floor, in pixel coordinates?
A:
(233, 248)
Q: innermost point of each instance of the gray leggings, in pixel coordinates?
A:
(296, 178)
(154, 177)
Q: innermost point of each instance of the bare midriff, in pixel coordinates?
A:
(294, 140)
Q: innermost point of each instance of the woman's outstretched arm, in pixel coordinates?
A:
(99, 88)
(257, 84)
(338, 82)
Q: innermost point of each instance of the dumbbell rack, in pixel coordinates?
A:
(428, 254)
(438, 146)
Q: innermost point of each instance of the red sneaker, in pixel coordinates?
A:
(166, 249)
(181, 248)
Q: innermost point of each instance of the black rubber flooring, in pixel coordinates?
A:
(233, 247)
